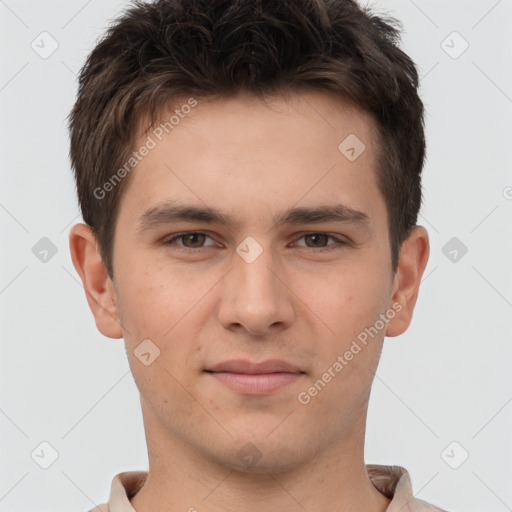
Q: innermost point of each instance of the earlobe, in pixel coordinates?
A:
(98, 286)
(413, 260)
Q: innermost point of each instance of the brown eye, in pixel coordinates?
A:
(196, 240)
(320, 241)
(317, 239)
(188, 241)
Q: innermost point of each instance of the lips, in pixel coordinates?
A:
(253, 368)
(251, 378)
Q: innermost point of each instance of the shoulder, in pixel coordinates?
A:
(395, 483)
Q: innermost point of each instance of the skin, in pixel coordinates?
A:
(251, 160)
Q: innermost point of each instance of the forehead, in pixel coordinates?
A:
(334, 109)
(286, 149)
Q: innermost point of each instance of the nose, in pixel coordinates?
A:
(256, 296)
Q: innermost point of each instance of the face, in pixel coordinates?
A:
(289, 262)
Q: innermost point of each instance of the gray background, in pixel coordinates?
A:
(447, 379)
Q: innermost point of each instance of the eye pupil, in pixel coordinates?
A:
(193, 236)
(316, 236)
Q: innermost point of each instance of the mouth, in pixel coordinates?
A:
(253, 378)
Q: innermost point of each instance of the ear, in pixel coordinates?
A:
(98, 286)
(413, 260)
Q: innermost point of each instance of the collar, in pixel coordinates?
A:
(392, 481)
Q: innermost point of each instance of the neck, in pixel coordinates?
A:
(181, 479)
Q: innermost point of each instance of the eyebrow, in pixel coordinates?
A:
(169, 212)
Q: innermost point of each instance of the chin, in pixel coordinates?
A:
(262, 455)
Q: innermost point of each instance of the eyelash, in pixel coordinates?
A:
(340, 242)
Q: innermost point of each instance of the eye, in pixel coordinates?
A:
(190, 240)
(319, 239)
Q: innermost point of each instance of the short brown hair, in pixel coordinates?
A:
(156, 52)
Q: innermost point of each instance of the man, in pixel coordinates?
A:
(249, 175)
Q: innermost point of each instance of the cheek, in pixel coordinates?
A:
(349, 304)
(348, 300)
(152, 300)
(167, 308)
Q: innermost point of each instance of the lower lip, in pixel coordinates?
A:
(256, 384)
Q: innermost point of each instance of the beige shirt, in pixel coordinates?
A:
(392, 481)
